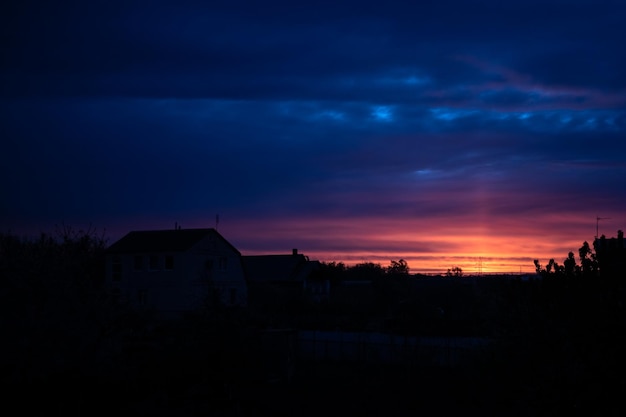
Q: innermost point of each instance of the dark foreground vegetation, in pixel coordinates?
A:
(557, 343)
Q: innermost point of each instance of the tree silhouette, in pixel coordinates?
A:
(588, 260)
(588, 267)
(454, 272)
(366, 271)
(334, 272)
(569, 265)
(398, 268)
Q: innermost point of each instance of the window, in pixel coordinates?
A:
(154, 262)
(169, 262)
(138, 263)
(141, 297)
(215, 296)
(116, 269)
(208, 265)
(223, 263)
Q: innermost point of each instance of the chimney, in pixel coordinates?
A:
(294, 251)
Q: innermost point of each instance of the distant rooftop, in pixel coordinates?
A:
(278, 267)
(172, 240)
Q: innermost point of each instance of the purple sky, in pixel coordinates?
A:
(354, 131)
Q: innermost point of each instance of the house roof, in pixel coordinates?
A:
(278, 268)
(174, 240)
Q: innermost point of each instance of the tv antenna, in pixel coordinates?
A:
(598, 222)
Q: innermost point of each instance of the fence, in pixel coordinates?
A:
(388, 348)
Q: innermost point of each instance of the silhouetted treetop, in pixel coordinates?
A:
(398, 267)
(454, 272)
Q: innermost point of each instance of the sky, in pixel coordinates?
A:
(480, 134)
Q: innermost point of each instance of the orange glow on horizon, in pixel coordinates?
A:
(506, 244)
(432, 246)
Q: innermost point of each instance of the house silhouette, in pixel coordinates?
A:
(176, 271)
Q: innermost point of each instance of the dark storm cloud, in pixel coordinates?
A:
(161, 49)
(139, 153)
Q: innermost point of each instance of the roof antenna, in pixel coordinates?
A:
(217, 221)
(598, 221)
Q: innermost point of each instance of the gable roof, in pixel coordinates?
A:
(277, 268)
(173, 240)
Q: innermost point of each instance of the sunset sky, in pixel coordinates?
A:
(448, 133)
